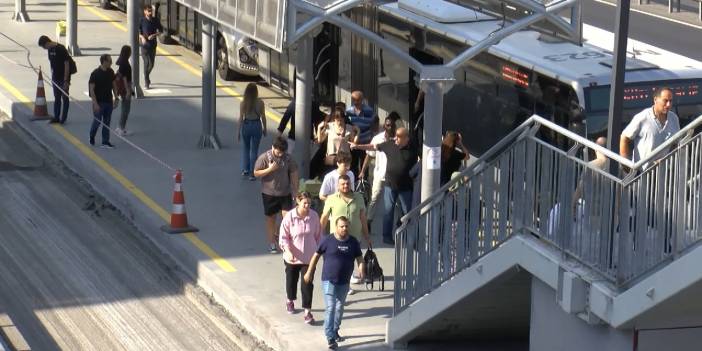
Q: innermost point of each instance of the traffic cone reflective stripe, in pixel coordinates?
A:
(40, 109)
(179, 219)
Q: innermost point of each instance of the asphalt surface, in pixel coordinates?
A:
(671, 36)
(75, 276)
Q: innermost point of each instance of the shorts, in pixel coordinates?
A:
(274, 204)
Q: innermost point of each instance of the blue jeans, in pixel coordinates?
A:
(251, 133)
(61, 102)
(334, 299)
(104, 115)
(391, 197)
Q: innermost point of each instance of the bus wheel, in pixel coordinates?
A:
(223, 69)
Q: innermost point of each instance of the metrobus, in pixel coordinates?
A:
(527, 73)
(237, 55)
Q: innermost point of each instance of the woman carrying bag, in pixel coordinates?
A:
(337, 135)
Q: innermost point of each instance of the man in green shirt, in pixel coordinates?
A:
(348, 204)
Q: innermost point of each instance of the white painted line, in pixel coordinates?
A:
(156, 91)
(653, 15)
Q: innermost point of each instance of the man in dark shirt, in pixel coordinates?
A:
(289, 117)
(339, 251)
(103, 86)
(149, 29)
(59, 60)
(401, 157)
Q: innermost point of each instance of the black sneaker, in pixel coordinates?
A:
(339, 338)
(54, 121)
(332, 344)
(107, 145)
(92, 141)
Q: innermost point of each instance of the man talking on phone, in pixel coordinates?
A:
(149, 29)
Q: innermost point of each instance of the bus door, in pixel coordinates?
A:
(416, 100)
(326, 61)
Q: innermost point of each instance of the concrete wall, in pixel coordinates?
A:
(552, 329)
(670, 339)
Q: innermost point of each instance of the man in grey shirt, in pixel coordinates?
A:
(650, 128)
(279, 183)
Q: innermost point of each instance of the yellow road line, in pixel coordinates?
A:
(188, 67)
(201, 245)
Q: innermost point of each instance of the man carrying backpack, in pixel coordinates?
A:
(62, 66)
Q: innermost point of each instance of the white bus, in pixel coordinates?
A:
(528, 72)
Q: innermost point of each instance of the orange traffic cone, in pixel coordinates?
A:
(40, 110)
(179, 220)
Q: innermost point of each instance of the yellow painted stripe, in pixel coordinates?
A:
(188, 67)
(201, 245)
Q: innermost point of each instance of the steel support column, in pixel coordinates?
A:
(209, 139)
(20, 14)
(72, 27)
(616, 93)
(133, 14)
(303, 103)
(435, 81)
(431, 150)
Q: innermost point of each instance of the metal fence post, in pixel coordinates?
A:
(72, 27)
(20, 14)
(209, 139)
(303, 103)
(133, 25)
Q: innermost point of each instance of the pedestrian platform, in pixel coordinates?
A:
(229, 256)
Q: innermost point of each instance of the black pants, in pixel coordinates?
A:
(148, 55)
(293, 272)
(60, 101)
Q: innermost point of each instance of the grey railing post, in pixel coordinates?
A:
(20, 14)
(303, 103)
(72, 27)
(208, 139)
(133, 25)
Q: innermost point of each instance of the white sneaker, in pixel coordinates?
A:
(118, 131)
(125, 132)
(355, 280)
(351, 292)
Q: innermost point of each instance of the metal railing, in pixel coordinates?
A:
(619, 227)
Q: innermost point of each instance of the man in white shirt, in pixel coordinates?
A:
(388, 133)
(650, 128)
(343, 165)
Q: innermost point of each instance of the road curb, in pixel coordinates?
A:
(12, 335)
(186, 256)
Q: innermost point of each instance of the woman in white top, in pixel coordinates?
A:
(337, 134)
(252, 127)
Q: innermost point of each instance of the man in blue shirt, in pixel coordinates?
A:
(339, 251)
(149, 29)
(361, 116)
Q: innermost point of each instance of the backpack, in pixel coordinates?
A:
(373, 271)
(72, 68)
(364, 188)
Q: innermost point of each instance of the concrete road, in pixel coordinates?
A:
(671, 36)
(75, 276)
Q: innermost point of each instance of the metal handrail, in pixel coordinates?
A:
(536, 119)
(525, 184)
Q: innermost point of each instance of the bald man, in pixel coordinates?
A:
(401, 157)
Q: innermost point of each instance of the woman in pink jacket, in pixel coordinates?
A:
(300, 234)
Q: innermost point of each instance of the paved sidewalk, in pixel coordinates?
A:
(228, 257)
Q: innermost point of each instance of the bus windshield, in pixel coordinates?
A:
(687, 102)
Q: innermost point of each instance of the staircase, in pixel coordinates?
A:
(530, 209)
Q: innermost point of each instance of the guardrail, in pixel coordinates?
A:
(619, 227)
